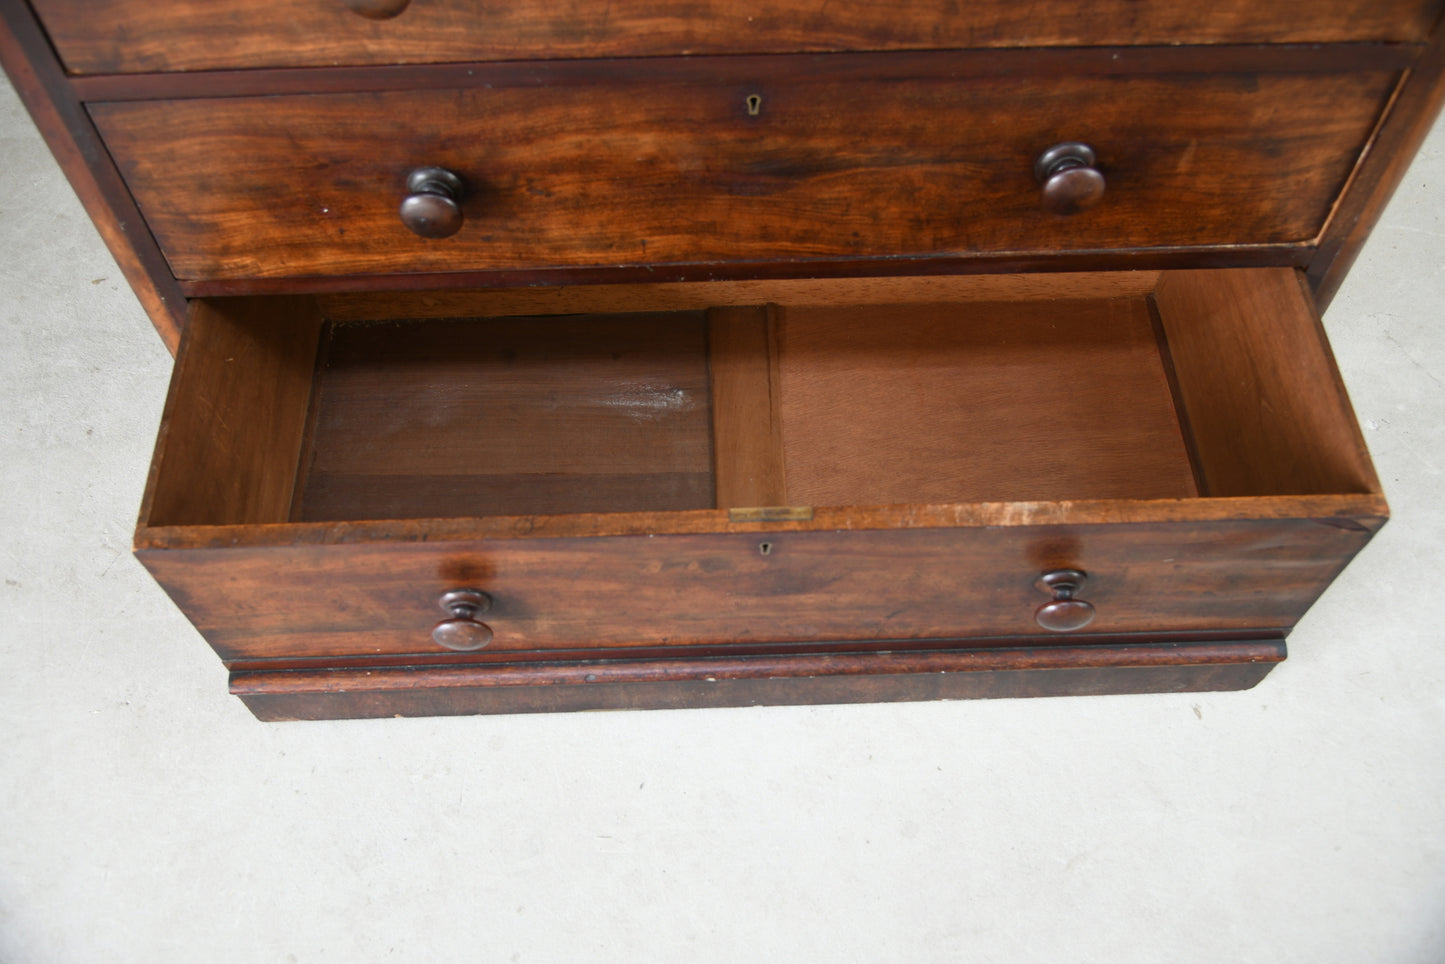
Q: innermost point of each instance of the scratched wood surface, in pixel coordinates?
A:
(107, 36)
(643, 169)
(581, 413)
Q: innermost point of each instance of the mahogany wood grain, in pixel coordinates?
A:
(810, 679)
(1268, 413)
(30, 63)
(1394, 145)
(793, 292)
(985, 401)
(746, 425)
(623, 172)
(287, 601)
(580, 413)
(231, 434)
(110, 36)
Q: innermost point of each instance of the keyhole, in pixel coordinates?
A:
(765, 548)
(755, 105)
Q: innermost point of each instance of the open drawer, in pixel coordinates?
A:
(725, 493)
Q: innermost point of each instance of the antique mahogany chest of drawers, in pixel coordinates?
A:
(647, 354)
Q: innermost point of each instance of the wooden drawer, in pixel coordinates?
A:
(847, 478)
(108, 36)
(730, 160)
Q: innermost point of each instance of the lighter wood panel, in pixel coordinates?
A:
(1266, 407)
(977, 402)
(747, 434)
(196, 35)
(231, 436)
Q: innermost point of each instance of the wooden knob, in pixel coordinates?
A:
(1071, 182)
(432, 207)
(463, 631)
(1065, 613)
(377, 9)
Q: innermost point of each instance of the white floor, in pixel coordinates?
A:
(146, 816)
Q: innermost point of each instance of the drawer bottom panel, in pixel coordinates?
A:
(813, 678)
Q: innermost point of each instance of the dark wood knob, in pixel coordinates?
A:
(463, 631)
(1071, 182)
(432, 208)
(1065, 613)
(377, 9)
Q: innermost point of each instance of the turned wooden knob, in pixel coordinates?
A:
(1065, 613)
(376, 9)
(1071, 182)
(432, 207)
(463, 631)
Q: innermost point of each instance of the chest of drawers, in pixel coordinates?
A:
(655, 355)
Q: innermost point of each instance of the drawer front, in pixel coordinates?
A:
(687, 162)
(109, 36)
(621, 593)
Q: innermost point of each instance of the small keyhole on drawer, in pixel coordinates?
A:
(766, 548)
(755, 105)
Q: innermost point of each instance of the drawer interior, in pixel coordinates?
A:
(727, 396)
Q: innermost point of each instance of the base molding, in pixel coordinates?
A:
(813, 677)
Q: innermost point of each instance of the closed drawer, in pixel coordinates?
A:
(635, 470)
(718, 161)
(108, 36)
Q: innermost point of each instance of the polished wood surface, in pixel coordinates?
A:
(107, 36)
(714, 590)
(623, 171)
(587, 413)
(987, 401)
(1037, 670)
